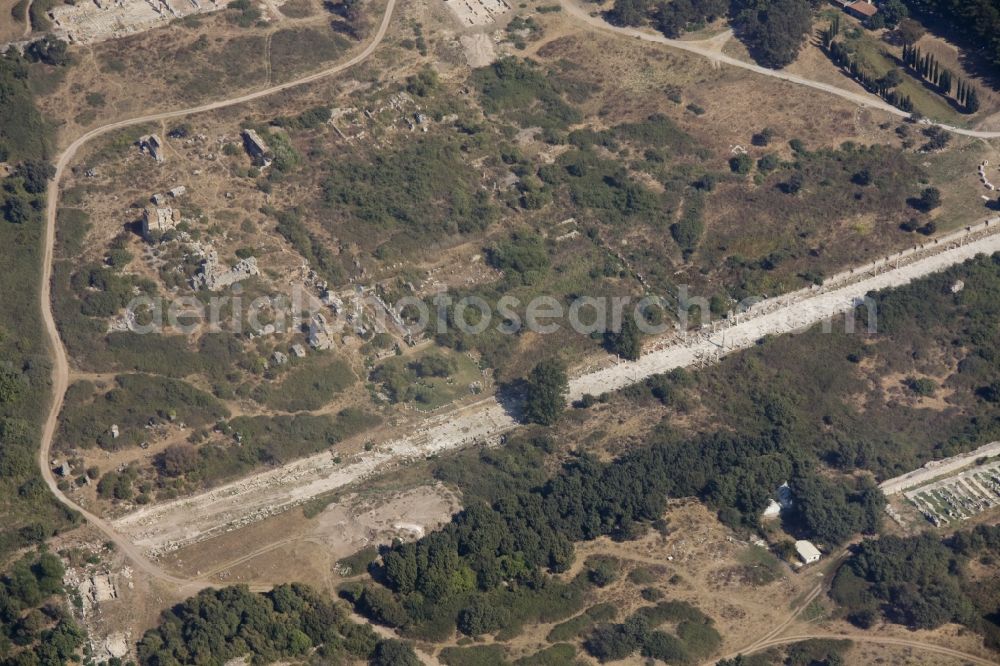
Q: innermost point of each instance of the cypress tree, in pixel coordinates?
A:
(972, 101)
(945, 83)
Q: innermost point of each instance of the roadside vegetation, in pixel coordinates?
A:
(772, 30)
(289, 622)
(30, 514)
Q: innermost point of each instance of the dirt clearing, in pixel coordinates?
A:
(304, 549)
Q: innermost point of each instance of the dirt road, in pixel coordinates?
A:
(705, 49)
(60, 371)
(866, 638)
(164, 527)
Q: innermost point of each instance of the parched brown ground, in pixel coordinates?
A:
(292, 547)
(11, 28)
(867, 653)
(195, 60)
(139, 599)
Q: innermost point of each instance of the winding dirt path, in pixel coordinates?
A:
(708, 49)
(60, 371)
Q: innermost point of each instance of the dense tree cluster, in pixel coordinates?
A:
(916, 581)
(687, 231)
(523, 531)
(626, 341)
(290, 621)
(49, 50)
(35, 630)
(545, 392)
(671, 18)
(23, 196)
(675, 18)
(773, 30)
(831, 512)
(628, 12)
(29, 513)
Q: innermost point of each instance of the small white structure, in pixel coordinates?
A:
(114, 431)
(773, 510)
(808, 553)
(299, 351)
(782, 503)
(279, 358)
(957, 286)
(178, 191)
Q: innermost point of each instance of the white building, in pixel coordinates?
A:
(782, 503)
(773, 510)
(808, 553)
